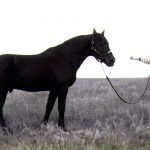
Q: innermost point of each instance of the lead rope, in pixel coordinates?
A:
(140, 97)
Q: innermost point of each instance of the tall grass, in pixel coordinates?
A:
(95, 118)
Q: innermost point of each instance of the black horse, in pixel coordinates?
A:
(53, 70)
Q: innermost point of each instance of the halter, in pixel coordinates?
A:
(95, 50)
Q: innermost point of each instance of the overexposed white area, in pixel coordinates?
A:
(32, 26)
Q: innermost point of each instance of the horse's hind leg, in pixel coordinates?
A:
(3, 94)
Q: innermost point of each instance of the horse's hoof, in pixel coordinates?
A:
(7, 130)
(44, 123)
(63, 128)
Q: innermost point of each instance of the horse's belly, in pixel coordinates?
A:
(33, 88)
(34, 85)
(43, 79)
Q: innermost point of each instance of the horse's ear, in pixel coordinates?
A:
(103, 33)
(94, 31)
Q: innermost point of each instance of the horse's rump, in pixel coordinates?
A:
(7, 70)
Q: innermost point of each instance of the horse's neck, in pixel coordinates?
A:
(77, 50)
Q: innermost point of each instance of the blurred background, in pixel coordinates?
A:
(30, 27)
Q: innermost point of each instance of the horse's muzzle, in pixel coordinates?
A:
(110, 61)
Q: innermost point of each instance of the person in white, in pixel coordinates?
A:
(145, 60)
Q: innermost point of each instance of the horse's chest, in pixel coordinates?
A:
(65, 74)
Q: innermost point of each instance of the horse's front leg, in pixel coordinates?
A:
(50, 103)
(62, 94)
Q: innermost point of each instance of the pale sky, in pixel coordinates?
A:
(32, 26)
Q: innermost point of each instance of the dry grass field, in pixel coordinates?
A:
(95, 118)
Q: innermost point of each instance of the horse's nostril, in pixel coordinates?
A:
(113, 60)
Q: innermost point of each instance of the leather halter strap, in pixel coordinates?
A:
(99, 53)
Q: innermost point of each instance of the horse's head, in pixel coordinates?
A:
(100, 49)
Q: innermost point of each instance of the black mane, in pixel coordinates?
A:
(71, 44)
